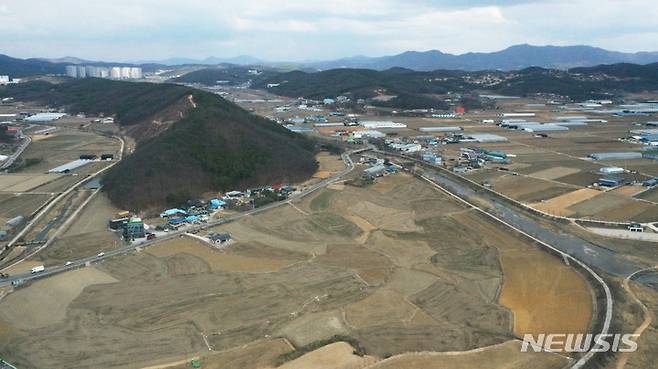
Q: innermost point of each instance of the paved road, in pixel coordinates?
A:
(587, 252)
(130, 248)
(12, 158)
(59, 197)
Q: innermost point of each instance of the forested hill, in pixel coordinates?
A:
(216, 146)
(15, 67)
(578, 83)
(131, 103)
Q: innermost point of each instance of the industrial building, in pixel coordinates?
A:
(615, 155)
(373, 124)
(65, 168)
(517, 115)
(650, 182)
(542, 127)
(432, 158)
(299, 129)
(44, 117)
(611, 170)
(407, 147)
(369, 134)
(441, 129)
(375, 171)
(486, 137)
(611, 181)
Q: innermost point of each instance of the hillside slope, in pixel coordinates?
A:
(577, 83)
(216, 146)
(15, 67)
(132, 103)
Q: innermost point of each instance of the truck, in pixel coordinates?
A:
(38, 269)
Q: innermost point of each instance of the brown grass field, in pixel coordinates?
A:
(24, 182)
(337, 355)
(504, 356)
(558, 205)
(400, 269)
(543, 293)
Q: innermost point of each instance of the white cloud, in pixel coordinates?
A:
(304, 29)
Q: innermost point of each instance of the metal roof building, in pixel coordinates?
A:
(70, 166)
(611, 181)
(611, 170)
(542, 127)
(615, 155)
(570, 123)
(44, 117)
(299, 129)
(487, 137)
(375, 171)
(375, 124)
(441, 129)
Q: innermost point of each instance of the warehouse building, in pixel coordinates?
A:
(376, 124)
(517, 115)
(486, 137)
(611, 170)
(611, 181)
(542, 127)
(375, 171)
(650, 182)
(44, 117)
(65, 168)
(615, 155)
(441, 129)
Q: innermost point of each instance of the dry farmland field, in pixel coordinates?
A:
(65, 146)
(551, 167)
(396, 268)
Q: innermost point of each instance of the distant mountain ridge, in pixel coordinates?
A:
(212, 60)
(15, 67)
(512, 58)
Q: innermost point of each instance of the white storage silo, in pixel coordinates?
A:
(82, 71)
(115, 73)
(72, 71)
(135, 73)
(125, 72)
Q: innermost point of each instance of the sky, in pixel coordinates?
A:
(296, 30)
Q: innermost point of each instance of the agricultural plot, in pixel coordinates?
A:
(401, 268)
(649, 195)
(24, 183)
(527, 189)
(66, 146)
(87, 235)
(559, 205)
(15, 205)
(505, 356)
(560, 163)
(561, 303)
